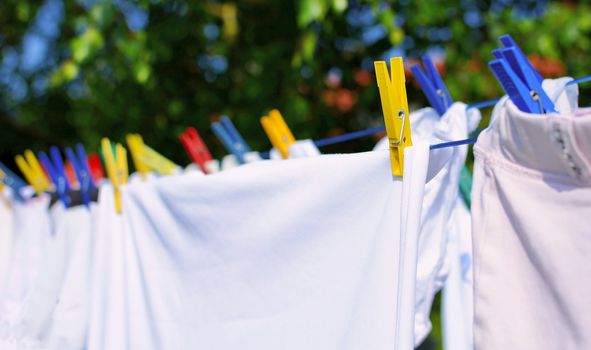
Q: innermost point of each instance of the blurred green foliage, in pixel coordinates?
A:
(75, 71)
(155, 67)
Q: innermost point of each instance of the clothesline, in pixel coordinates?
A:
(372, 131)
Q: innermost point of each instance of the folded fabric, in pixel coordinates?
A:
(531, 202)
(312, 253)
(440, 200)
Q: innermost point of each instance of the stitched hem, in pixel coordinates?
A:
(495, 161)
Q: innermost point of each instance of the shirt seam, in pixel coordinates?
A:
(495, 161)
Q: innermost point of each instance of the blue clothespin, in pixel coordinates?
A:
(80, 163)
(231, 138)
(57, 172)
(529, 76)
(432, 85)
(522, 81)
(12, 180)
(508, 42)
(514, 87)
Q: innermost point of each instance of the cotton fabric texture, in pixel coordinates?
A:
(531, 204)
(312, 253)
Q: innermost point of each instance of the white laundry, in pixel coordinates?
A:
(313, 253)
(531, 203)
(440, 200)
(38, 312)
(69, 320)
(229, 161)
(298, 149)
(31, 233)
(107, 301)
(6, 236)
(457, 295)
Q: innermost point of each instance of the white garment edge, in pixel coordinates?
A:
(444, 170)
(414, 176)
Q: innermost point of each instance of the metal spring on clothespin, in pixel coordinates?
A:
(395, 107)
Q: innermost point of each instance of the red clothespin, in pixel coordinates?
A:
(195, 148)
(96, 167)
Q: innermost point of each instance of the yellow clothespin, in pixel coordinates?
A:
(136, 146)
(395, 107)
(2, 176)
(30, 167)
(116, 169)
(146, 158)
(278, 132)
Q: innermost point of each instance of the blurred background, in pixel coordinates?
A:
(77, 70)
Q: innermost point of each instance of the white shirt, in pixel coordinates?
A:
(531, 204)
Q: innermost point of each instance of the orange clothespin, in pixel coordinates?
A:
(195, 148)
(395, 107)
(278, 132)
(30, 167)
(117, 170)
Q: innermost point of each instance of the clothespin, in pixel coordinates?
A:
(519, 78)
(79, 162)
(29, 166)
(96, 167)
(116, 169)
(2, 197)
(514, 87)
(10, 179)
(136, 148)
(278, 132)
(432, 85)
(395, 107)
(508, 42)
(56, 170)
(146, 158)
(195, 148)
(231, 138)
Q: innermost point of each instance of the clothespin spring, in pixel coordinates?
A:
(536, 97)
(401, 115)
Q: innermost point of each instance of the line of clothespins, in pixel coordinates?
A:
(518, 77)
